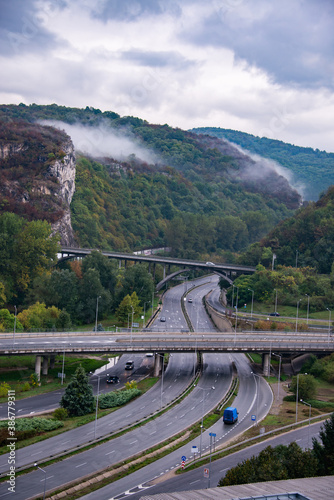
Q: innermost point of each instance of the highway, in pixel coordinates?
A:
(211, 389)
(195, 480)
(254, 397)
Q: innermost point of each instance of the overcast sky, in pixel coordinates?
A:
(265, 67)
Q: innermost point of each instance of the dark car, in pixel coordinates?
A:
(274, 314)
(129, 365)
(113, 380)
(163, 319)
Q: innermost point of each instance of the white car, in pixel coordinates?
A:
(210, 264)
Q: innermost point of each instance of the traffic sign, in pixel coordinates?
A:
(182, 465)
(183, 458)
(253, 417)
(206, 472)
(194, 449)
(212, 434)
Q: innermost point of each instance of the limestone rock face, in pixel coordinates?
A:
(64, 171)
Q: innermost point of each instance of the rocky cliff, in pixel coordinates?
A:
(37, 175)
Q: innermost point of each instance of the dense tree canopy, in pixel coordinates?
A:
(78, 398)
(27, 249)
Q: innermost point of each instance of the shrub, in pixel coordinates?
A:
(26, 387)
(60, 414)
(4, 388)
(119, 398)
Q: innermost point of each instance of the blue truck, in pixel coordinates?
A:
(230, 415)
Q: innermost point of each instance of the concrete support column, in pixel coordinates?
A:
(154, 270)
(164, 274)
(45, 365)
(119, 264)
(38, 366)
(265, 364)
(52, 361)
(157, 365)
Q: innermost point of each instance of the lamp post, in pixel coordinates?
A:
(297, 315)
(296, 258)
(309, 419)
(35, 464)
(212, 435)
(202, 389)
(97, 309)
(144, 311)
(232, 295)
(329, 323)
(252, 300)
(308, 307)
(257, 394)
(14, 326)
(62, 371)
(297, 396)
(236, 315)
(279, 373)
(97, 404)
(132, 322)
(276, 301)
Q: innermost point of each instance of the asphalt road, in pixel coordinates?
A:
(195, 480)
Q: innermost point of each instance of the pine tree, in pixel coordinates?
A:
(78, 398)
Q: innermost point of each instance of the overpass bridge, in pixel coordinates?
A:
(50, 344)
(225, 270)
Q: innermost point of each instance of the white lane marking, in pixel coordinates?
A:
(133, 442)
(80, 465)
(110, 452)
(197, 480)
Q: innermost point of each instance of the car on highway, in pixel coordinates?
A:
(112, 379)
(190, 299)
(274, 314)
(149, 354)
(163, 319)
(129, 365)
(210, 264)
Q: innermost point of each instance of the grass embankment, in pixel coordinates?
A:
(260, 309)
(17, 370)
(72, 423)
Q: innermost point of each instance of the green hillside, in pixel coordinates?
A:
(312, 168)
(196, 198)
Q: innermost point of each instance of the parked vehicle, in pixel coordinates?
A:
(230, 415)
(129, 365)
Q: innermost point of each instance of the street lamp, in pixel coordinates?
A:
(97, 309)
(329, 323)
(276, 301)
(35, 464)
(257, 394)
(14, 326)
(97, 404)
(232, 295)
(132, 322)
(236, 315)
(202, 389)
(309, 419)
(212, 435)
(144, 311)
(162, 376)
(297, 315)
(308, 307)
(252, 300)
(279, 373)
(297, 396)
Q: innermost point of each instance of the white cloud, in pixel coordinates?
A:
(103, 141)
(251, 65)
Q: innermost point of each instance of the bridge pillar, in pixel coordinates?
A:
(265, 364)
(164, 275)
(119, 264)
(157, 364)
(38, 366)
(52, 361)
(45, 365)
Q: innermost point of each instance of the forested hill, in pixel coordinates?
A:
(151, 185)
(312, 168)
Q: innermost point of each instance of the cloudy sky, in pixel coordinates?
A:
(265, 67)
